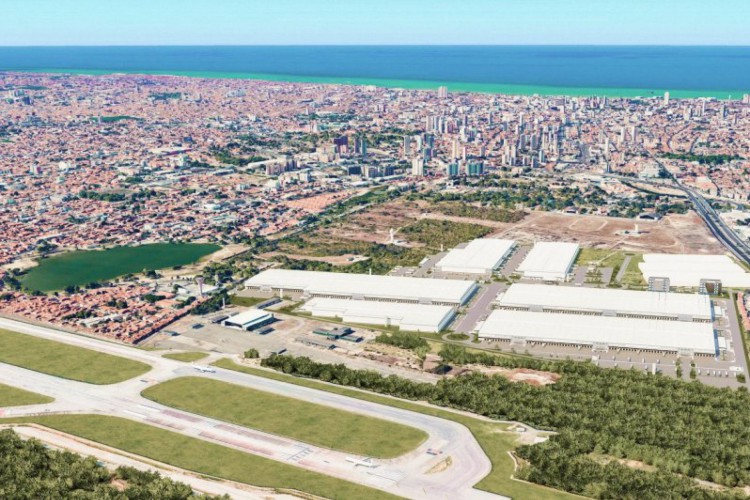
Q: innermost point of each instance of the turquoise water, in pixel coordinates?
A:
(571, 70)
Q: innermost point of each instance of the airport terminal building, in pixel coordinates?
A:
(310, 284)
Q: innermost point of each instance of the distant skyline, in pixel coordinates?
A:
(374, 22)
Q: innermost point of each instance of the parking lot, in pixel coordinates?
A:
(290, 334)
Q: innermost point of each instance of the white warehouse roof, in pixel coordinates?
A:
(549, 261)
(412, 317)
(599, 300)
(688, 270)
(481, 256)
(365, 286)
(248, 318)
(650, 334)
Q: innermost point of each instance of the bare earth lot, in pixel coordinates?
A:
(673, 234)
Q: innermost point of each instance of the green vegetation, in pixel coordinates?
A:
(118, 118)
(675, 427)
(12, 396)
(633, 277)
(493, 437)
(457, 209)
(437, 233)
(245, 301)
(287, 417)
(165, 96)
(403, 340)
(66, 361)
(458, 337)
(187, 357)
(251, 353)
(202, 457)
(81, 267)
(702, 159)
(381, 259)
(29, 469)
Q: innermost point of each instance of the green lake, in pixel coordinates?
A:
(83, 267)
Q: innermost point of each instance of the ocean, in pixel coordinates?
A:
(570, 70)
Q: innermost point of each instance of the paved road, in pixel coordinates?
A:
(406, 476)
(736, 332)
(718, 227)
(623, 268)
(480, 307)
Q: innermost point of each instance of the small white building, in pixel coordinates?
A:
(549, 261)
(249, 320)
(410, 317)
(480, 257)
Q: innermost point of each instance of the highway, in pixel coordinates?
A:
(717, 226)
(736, 245)
(405, 476)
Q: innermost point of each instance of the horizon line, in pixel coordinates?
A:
(676, 45)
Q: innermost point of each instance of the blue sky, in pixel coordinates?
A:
(292, 22)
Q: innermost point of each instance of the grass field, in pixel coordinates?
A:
(246, 301)
(66, 361)
(603, 257)
(315, 424)
(188, 357)
(12, 396)
(81, 268)
(202, 457)
(492, 437)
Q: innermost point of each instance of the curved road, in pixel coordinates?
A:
(406, 475)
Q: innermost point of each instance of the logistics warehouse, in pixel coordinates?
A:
(603, 319)
(309, 284)
(411, 317)
(479, 257)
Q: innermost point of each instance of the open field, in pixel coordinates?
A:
(11, 396)
(311, 423)
(202, 457)
(66, 361)
(672, 234)
(493, 437)
(83, 267)
(188, 357)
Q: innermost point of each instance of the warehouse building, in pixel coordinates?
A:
(601, 333)
(249, 320)
(308, 284)
(688, 270)
(410, 317)
(549, 261)
(480, 257)
(606, 302)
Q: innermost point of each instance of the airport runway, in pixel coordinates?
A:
(405, 476)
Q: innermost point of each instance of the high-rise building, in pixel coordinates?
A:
(666, 98)
(476, 168)
(407, 146)
(442, 92)
(417, 167)
(452, 169)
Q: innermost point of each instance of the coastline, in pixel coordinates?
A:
(485, 88)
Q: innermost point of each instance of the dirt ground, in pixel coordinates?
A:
(532, 377)
(672, 234)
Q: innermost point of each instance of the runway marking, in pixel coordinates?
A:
(182, 416)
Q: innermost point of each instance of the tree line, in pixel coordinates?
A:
(679, 430)
(30, 470)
